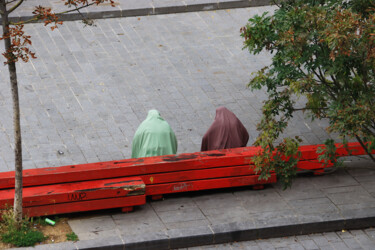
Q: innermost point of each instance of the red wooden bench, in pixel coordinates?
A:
(79, 196)
(59, 190)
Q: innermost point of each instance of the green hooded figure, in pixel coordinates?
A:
(154, 137)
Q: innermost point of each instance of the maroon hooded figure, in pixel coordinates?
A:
(226, 131)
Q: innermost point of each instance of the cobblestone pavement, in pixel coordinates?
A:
(91, 87)
(126, 8)
(355, 239)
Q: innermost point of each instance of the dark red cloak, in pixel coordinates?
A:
(226, 131)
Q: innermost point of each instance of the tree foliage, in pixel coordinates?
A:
(323, 51)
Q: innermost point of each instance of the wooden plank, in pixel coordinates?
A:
(311, 165)
(200, 174)
(219, 172)
(129, 167)
(74, 192)
(82, 206)
(207, 184)
(151, 165)
(309, 151)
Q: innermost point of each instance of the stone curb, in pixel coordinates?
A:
(202, 5)
(218, 234)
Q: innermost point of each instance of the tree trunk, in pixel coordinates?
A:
(16, 120)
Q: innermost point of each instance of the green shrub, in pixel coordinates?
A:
(323, 64)
(24, 236)
(71, 237)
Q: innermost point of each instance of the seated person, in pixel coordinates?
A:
(154, 137)
(226, 131)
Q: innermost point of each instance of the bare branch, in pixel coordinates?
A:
(307, 108)
(364, 147)
(15, 6)
(10, 1)
(57, 14)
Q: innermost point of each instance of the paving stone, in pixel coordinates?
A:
(92, 227)
(89, 235)
(340, 245)
(187, 224)
(309, 208)
(145, 222)
(264, 202)
(221, 215)
(370, 233)
(303, 188)
(235, 231)
(58, 246)
(190, 237)
(332, 237)
(154, 240)
(309, 244)
(283, 241)
(181, 215)
(275, 219)
(217, 200)
(365, 241)
(369, 187)
(353, 206)
(341, 179)
(265, 245)
(295, 246)
(329, 247)
(352, 243)
(169, 204)
(113, 242)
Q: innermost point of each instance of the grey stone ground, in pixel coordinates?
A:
(91, 87)
(126, 8)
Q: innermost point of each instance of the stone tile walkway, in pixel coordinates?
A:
(126, 8)
(91, 87)
(353, 239)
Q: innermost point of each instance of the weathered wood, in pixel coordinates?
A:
(153, 165)
(129, 167)
(207, 184)
(177, 176)
(309, 151)
(157, 197)
(82, 206)
(311, 165)
(74, 192)
(127, 209)
(258, 187)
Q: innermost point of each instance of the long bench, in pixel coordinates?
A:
(126, 183)
(41, 200)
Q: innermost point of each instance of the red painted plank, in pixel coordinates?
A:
(151, 165)
(207, 184)
(309, 151)
(201, 174)
(311, 165)
(78, 191)
(81, 206)
(218, 172)
(130, 167)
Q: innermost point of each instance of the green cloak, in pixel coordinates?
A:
(154, 137)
